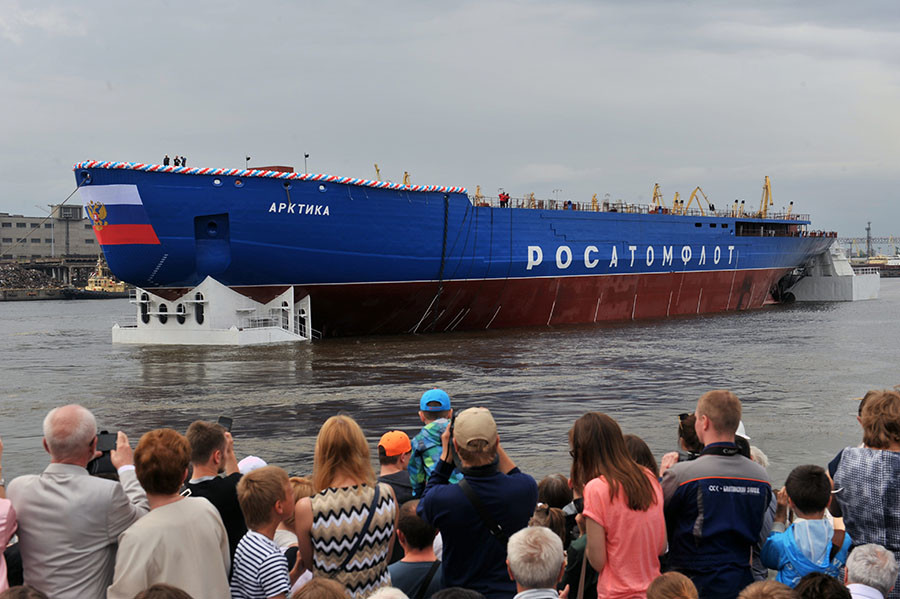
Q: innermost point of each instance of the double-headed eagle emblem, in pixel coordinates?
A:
(97, 212)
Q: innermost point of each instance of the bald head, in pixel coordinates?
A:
(69, 432)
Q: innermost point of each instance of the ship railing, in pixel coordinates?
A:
(623, 207)
(278, 320)
(866, 270)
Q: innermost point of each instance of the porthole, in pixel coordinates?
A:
(145, 317)
(198, 307)
(217, 182)
(238, 183)
(212, 228)
(163, 319)
(322, 188)
(179, 310)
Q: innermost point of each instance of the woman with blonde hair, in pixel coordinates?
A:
(623, 508)
(346, 530)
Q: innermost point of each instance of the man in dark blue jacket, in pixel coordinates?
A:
(717, 507)
(475, 539)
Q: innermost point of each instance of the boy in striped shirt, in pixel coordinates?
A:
(260, 568)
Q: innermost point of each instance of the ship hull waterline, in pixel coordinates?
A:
(424, 307)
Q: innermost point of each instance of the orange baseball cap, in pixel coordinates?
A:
(395, 443)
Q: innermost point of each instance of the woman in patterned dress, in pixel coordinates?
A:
(329, 525)
(865, 479)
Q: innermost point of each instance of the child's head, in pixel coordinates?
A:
(809, 490)
(550, 517)
(265, 496)
(435, 404)
(672, 585)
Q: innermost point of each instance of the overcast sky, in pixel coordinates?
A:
(586, 97)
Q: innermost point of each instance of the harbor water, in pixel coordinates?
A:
(796, 368)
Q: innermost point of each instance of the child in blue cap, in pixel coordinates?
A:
(434, 411)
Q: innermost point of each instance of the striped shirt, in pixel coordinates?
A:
(260, 569)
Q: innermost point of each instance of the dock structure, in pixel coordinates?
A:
(829, 277)
(213, 314)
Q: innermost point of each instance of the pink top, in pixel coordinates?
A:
(634, 540)
(8, 527)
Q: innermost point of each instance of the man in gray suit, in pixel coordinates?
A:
(69, 521)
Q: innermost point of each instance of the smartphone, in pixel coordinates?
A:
(106, 441)
(225, 422)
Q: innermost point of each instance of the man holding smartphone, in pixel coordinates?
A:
(212, 454)
(69, 522)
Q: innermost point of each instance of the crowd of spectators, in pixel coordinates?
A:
(450, 516)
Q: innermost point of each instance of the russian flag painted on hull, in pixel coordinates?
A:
(118, 215)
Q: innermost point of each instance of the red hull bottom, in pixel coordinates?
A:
(390, 308)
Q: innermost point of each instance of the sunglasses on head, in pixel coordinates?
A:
(683, 416)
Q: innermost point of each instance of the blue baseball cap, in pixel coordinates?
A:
(434, 395)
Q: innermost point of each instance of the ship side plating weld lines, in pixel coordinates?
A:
(699, 298)
(597, 309)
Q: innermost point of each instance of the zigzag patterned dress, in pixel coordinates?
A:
(338, 517)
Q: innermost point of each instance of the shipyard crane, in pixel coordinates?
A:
(693, 197)
(406, 177)
(658, 201)
(377, 172)
(766, 199)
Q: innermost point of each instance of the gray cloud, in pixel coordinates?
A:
(589, 97)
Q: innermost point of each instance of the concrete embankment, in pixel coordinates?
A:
(12, 295)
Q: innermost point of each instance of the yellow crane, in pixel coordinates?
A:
(693, 197)
(766, 199)
(658, 201)
(595, 206)
(406, 177)
(377, 172)
(478, 195)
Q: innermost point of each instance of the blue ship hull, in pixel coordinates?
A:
(382, 258)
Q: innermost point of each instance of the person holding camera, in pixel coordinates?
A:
(477, 516)
(69, 522)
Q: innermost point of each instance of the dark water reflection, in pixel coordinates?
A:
(795, 368)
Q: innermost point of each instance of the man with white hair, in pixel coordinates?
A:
(871, 572)
(69, 521)
(536, 561)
